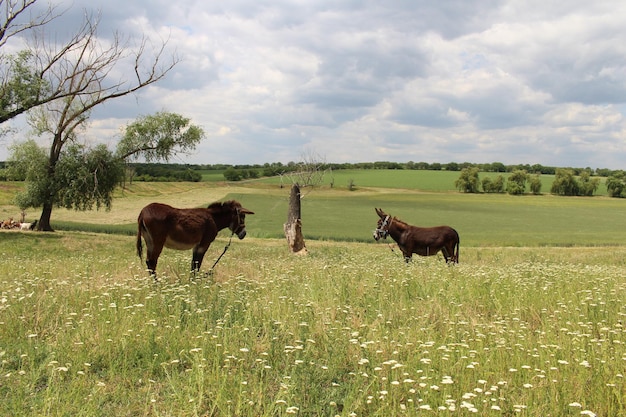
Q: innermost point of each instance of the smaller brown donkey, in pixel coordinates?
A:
(182, 229)
(425, 241)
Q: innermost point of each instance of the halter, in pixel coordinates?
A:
(383, 230)
(237, 226)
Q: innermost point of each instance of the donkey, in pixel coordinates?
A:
(182, 229)
(425, 241)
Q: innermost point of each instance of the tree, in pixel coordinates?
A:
(588, 185)
(468, 180)
(516, 183)
(615, 186)
(486, 184)
(293, 226)
(81, 75)
(565, 183)
(310, 173)
(493, 185)
(232, 174)
(535, 184)
(82, 178)
(85, 177)
(498, 167)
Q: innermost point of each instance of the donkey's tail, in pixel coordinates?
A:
(139, 243)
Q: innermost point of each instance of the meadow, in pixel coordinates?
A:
(530, 323)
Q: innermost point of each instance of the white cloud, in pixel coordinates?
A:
(515, 81)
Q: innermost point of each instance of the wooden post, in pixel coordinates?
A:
(293, 227)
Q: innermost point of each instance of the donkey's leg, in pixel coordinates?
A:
(153, 251)
(197, 257)
(407, 251)
(452, 255)
(151, 262)
(446, 254)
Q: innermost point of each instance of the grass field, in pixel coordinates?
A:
(423, 180)
(348, 330)
(338, 214)
(530, 323)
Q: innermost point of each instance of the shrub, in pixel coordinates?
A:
(516, 183)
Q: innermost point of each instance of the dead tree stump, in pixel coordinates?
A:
(293, 227)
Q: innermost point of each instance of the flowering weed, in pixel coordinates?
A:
(348, 330)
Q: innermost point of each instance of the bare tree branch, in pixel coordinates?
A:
(13, 10)
(310, 171)
(78, 69)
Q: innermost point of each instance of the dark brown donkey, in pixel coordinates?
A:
(425, 241)
(182, 229)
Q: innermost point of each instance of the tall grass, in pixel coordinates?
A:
(349, 330)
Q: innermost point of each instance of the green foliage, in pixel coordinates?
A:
(23, 87)
(85, 178)
(516, 183)
(615, 186)
(588, 185)
(158, 137)
(165, 172)
(565, 183)
(468, 180)
(493, 185)
(232, 174)
(29, 162)
(535, 184)
(81, 179)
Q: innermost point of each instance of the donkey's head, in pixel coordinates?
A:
(382, 227)
(238, 223)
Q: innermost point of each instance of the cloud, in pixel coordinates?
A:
(461, 80)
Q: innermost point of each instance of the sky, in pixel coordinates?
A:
(346, 81)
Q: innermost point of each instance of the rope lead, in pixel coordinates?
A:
(220, 257)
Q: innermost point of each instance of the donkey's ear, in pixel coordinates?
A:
(245, 211)
(380, 213)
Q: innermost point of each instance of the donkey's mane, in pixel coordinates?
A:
(222, 205)
(402, 222)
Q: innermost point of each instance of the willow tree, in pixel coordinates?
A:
(82, 73)
(84, 177)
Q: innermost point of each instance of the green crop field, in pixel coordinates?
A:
(529, 323)
(423, 180)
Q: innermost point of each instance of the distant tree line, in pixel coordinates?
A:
(522, 178)
(163, 172)
(566, 182)
(278, 168)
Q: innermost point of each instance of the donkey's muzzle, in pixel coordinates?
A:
(241, 233)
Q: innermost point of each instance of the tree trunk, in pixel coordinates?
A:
(293, 227)
(44, 221)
